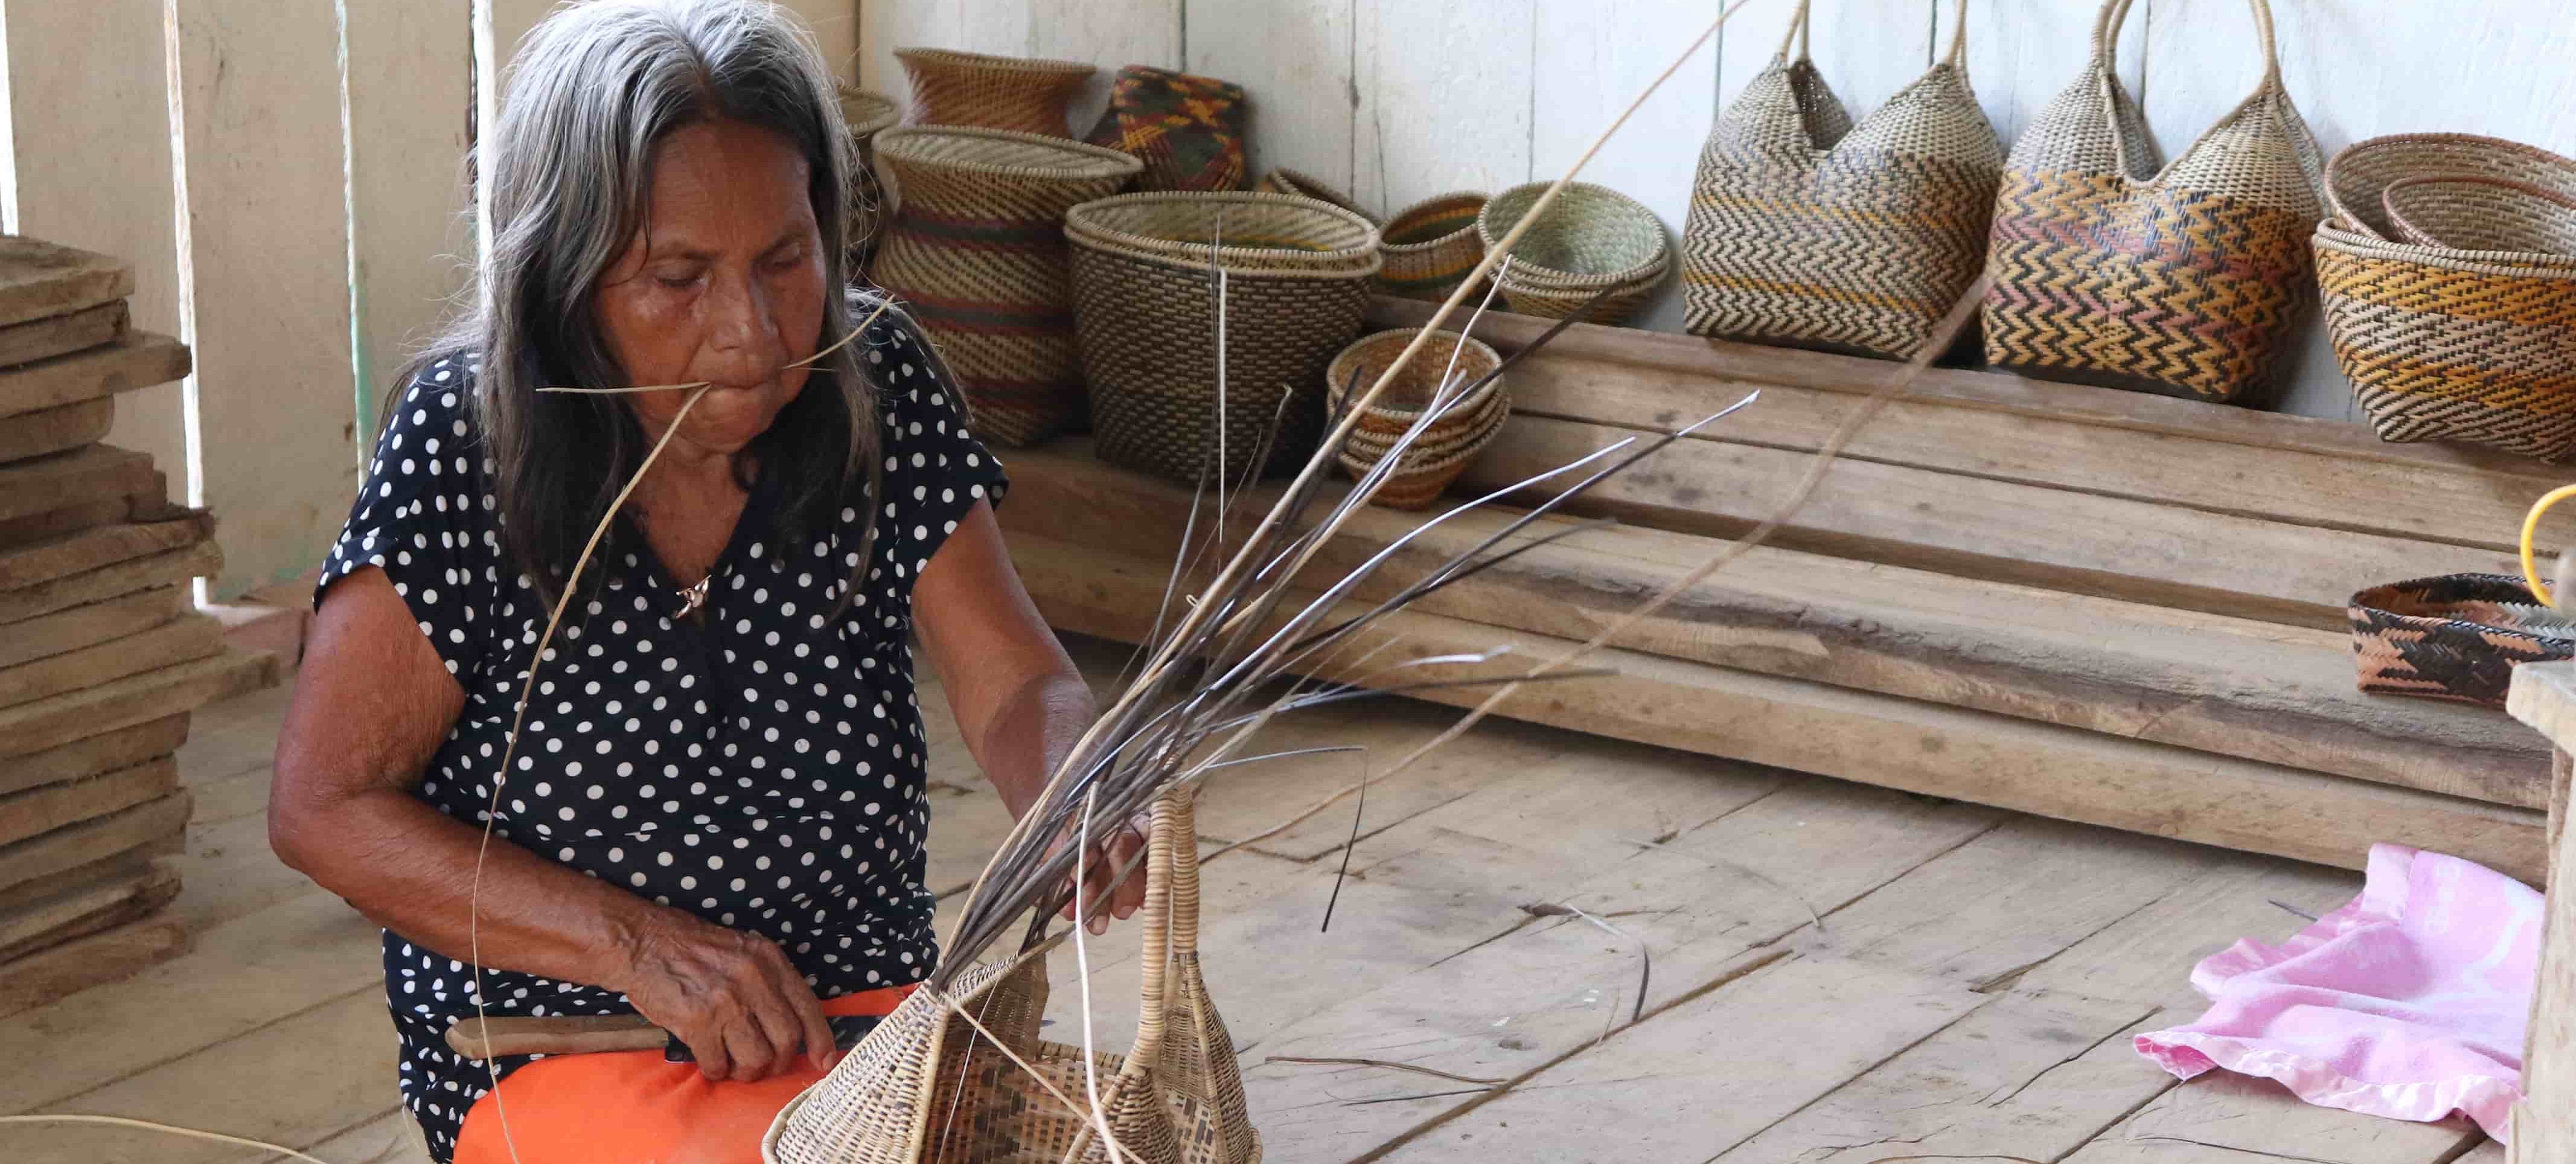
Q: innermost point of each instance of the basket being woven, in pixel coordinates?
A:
(990, 92)
(2357, 180)
(1296, 274)
(865, 114)
(2457, 636)
(2443, 344)
(1592, 238)
(926, 1088)
(1431, 246)
(977, 252)
(2187, 283)
(1443, 450)
(1808, 231)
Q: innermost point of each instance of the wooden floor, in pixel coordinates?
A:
(1839, 973)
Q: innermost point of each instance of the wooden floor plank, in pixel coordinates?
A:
(155, 824)
(232, 863)
(92, 624)
(2222, 1118)
(167, 568)
(53, 430)
(153, 695)
(89, 473)
(42, 810)
(138, 359)
(99, 546)
(83, 963)
(72, 331)
(181, 640)
(86, 909)
(90, 755)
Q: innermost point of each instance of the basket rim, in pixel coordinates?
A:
(1357, 261)
(1047, 66)
(1336, 372)
(2335, 208)
(1480, 198)
(1547, 276)
(2368, 599)
(1106, 162)
(1309, 186)
(2333, 235)
(885, 111)
(1160, 71)
(1640, 279)
(2562, 207)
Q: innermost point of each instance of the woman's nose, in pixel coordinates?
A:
(742, 333)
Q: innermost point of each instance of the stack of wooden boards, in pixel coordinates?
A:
(2094, 605)
(102, 654)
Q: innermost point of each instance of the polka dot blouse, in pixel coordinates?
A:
(759, 766)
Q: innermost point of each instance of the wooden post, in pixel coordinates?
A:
(2544, 1124)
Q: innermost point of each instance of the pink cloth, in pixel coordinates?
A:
(2409, 1002)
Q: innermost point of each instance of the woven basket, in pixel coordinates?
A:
(976, 250)
(1809, 232)
(1592, 238)
(1189, 131)
(1286, 181)
(2454, 345)
(2357, 181)
(865, 114)
(1442, 451)
(1431, 246)
(2458, 636)
(990, 92)
(2188, 283)
(2472, 212)
(1296, 282)
(925, 1088)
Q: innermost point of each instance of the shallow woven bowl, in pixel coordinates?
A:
(2358, 178)
(1431, 245)
(2473, 213)
(1554, 301)
(2456, 636)
(1592, 237)
(1443, 450)
(997, 157)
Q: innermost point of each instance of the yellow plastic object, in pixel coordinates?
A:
(2531, 523)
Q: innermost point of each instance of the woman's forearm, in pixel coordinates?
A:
(1031, 731)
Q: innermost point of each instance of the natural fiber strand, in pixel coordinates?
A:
(1387, 1064)
(165, 1129)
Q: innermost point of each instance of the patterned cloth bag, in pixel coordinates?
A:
(2185, 283)
(1808, 231)
(1188, 130)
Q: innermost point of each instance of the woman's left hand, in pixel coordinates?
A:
(1108, 855)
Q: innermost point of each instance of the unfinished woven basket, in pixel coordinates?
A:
(1431, 246)
(2472, 212)
(2358, 179)
(2189, 282)
(2457, 636)
(977, 252)
(990, 92)
(1188, 130)
(1808, 232)
(1443, 450)
(925, 1088)
(1145, 297)
(1592, 238)
(865, 114)
(1286, 181)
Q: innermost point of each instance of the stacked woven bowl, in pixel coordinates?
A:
(1462, 387)
(2447, 265)
(1596, 252)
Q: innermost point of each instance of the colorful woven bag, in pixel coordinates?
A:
(1808, 231)
(1187, 130)
(976, 250)
(2185, 283)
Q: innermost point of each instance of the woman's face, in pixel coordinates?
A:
(724, 284)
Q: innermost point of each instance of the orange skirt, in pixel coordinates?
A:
(631, 1107)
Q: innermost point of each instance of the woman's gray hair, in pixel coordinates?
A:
(594, 88)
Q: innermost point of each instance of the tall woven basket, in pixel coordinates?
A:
(926, 1088)
(977, 251)
(1145, 286)
(2189, 282)
(1808, 231)
(865, 114)
(990, 92)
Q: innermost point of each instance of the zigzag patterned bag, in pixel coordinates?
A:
(1808, 231)
(2187, 283)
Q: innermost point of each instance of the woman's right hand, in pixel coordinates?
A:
(733, 997)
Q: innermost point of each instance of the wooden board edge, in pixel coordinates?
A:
(53, 974)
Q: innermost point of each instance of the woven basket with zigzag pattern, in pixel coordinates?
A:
(2457, 636)
(1807, 231)
(2188, 283)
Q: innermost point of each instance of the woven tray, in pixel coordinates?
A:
(2456, 637)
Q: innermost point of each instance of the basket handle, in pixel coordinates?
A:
(1957, 57)
(1172, 820)
(1797, 35)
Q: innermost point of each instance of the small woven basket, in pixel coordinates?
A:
(2357, 180)
(1145, 306)
(1592, 238)
(2457, 636)
(976, 250)
(1188, 130)
(865, 114)
(990, 92)
(1444, 448)
(1431, 246)
(1286, 181)
(2473, 212)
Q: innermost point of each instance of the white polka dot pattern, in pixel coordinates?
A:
(761, 768)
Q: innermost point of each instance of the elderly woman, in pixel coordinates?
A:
(715, 813)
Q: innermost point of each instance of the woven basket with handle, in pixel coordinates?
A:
(1808, 231)
(1431, 246)
(2189, 282)
(990, 92)
(1592, 238)
(865, 114)
(1443, 450)
(1145, 266)
(976, 251)
(926, 1088)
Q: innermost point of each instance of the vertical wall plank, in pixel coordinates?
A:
(410, 239)
(260, 94)
(1594, 57)
(511, 20)
(1445, 98)
(1866, 49)
(836, 31)
(1107, 33)
(979, 26)
(1293, 58)
(2022, 52)
(89, 99)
